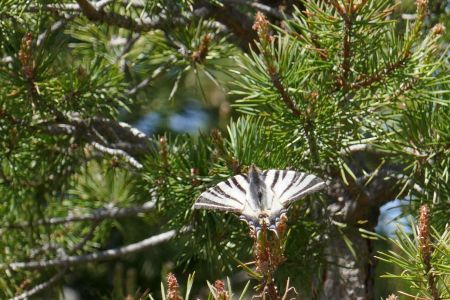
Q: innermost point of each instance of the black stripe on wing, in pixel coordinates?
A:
(212, 205)
(228, 195)
(290, 186)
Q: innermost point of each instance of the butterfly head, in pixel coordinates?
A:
(258, 193)
(263, 220)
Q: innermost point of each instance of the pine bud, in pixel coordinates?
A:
(261, 26)
(421, 3)
(25, 56)
(392, 297)
(221, 293)
(261, 23)
(438, 29)
(421, 8)
(173, 288)
(199, 55)
(424, 234)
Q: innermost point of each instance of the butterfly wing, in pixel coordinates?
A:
(228, 195)
(290, 186)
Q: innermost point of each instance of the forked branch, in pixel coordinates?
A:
(93, 257)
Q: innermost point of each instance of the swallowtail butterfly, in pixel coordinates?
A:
(260, 197)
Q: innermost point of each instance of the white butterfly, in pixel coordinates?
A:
(260, 197)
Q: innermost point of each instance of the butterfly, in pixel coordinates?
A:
(260, 197)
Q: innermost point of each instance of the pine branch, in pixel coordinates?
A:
(118, 152)
(239, 23)
(346, 53)
(261, 26)
(404, 87)
(268, 10)
(98, 215)
(114, 19)
(356, 148)
(156, 73)
(288, 101)
(94, 257)
(339, 8)
(55, 27)
(323, 53)
(106, 135)
(40, 287)
(70, 7)
(380, 74)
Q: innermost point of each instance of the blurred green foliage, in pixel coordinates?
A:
(99, 71)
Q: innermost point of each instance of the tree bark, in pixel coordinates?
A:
(348, 276)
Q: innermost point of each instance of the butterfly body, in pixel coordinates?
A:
(260, 197)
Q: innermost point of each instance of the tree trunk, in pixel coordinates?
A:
(348, 276)
(349, 273)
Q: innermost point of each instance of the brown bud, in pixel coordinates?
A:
(200, 54)
(25, 55)
(421, 8)
(261, 26)
(438, 29)
(392, 297)
(261, 22)
(421, 3)
(172, 288)
(221, 293)
(308, 13)
(424, 233)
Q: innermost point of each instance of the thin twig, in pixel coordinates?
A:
(98, 215)
(55, 27)
(258, 6)
(346, 52)
(339, 8)
(370, 148)
(86, 238)
(115, 19)
(93, 257)
(379, 75)
(127, 157)
(69, 7)
(40, 287)
(275, 78)
(158, 72)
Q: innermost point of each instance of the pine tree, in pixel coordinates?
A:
(337, 88)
